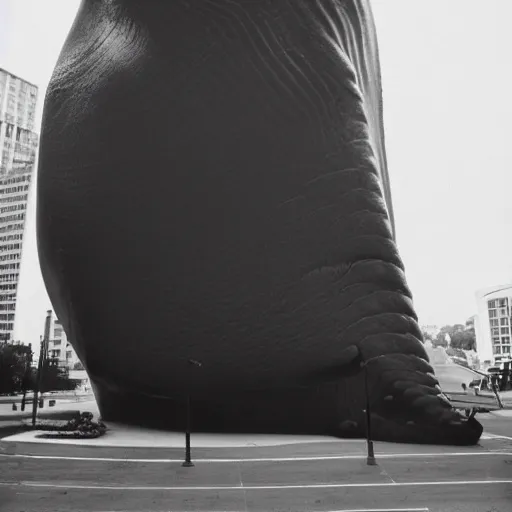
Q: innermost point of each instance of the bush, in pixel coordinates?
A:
(80, 427)
(14, 367)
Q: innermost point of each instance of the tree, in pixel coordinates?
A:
(461, 337)
(14, 366)
(427, 336)
(464, 340)
(451, 330)
(16, 373)
(440, 340)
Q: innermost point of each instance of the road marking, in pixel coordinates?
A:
(269, 459)
(252, 487)
(497, 436)
(382, 510)
(341, 510)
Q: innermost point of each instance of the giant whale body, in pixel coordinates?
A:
(214, 221)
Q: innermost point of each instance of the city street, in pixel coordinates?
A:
(497, 423)
(323, 476)
(255, 216)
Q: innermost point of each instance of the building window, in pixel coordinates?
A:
(503, 321)
(491, 304)
(495, 331)
(502, 303)
(506, 350)
(493, 314)
(496, 350)
(69, 354)
(505, 340)
(494, 322)
(505, 330)
(503, 312)
(56, 342)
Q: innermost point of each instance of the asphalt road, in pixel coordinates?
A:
(495, 423)
(312, 477)
(470, 483)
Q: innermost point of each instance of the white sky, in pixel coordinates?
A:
(447, 79)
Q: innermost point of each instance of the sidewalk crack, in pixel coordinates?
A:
(385, 473)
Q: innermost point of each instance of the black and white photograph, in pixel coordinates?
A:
(255, 256)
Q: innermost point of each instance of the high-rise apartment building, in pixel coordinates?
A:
(18, 146)
(494, 323)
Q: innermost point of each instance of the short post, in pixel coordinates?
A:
(370, 459)
(188, 459)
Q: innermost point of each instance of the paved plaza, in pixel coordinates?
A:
(131, 469)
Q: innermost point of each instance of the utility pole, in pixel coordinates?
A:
(43, 356)
(26, 377)
(37, 383)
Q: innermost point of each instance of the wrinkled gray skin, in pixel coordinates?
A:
(213, 186)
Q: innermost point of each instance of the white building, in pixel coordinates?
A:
(493, 323)
(18, 145)
(61, 350)
(59, 346)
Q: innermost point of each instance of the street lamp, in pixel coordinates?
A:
(188, 459)
(351, 360)
(370, 459)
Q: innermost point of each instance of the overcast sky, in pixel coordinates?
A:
(447, 105)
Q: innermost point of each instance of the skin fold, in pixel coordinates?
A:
(213, 187)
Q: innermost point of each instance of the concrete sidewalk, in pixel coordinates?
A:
(121, 438)
(132, 436)
(120, 435)
(126, 436)
(135, 437)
